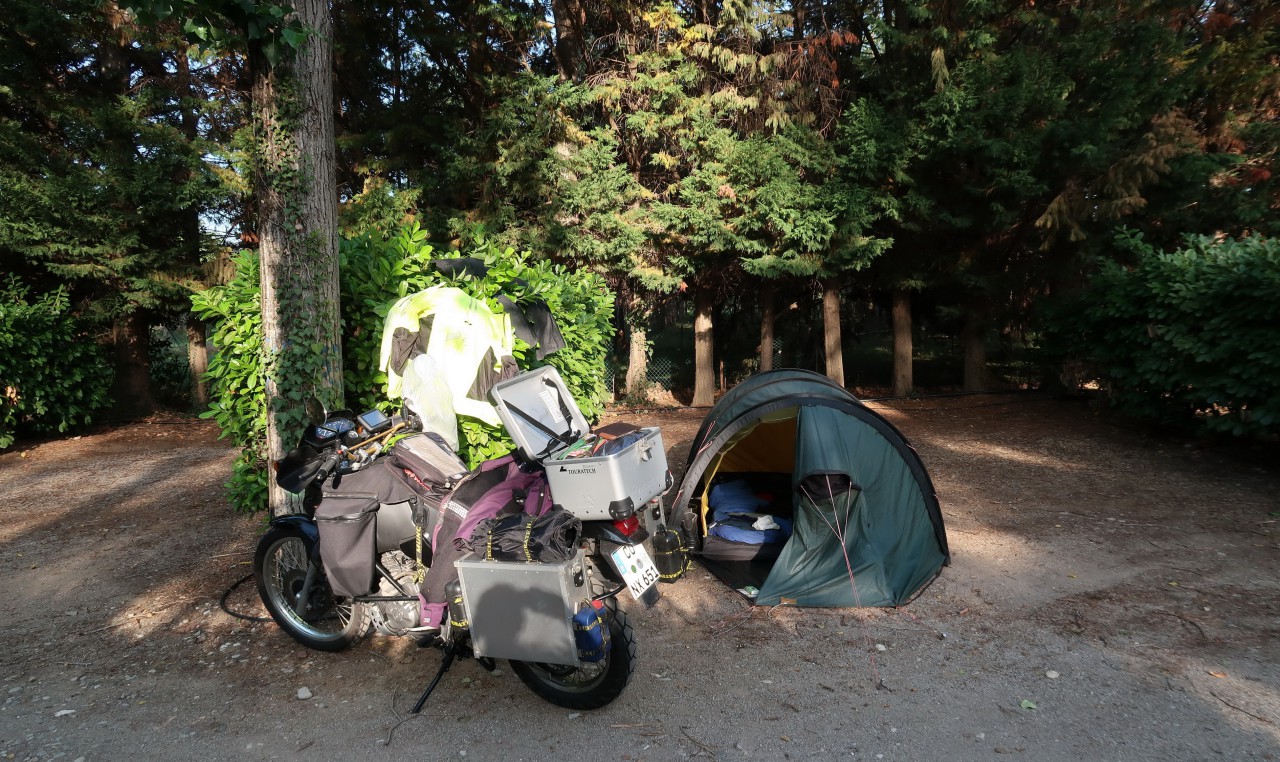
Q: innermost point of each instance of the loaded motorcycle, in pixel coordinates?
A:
(541, 591)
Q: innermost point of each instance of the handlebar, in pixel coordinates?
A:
(357, 455)
(326, 468)
(373, 444)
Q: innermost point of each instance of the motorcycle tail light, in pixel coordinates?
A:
(628, 526)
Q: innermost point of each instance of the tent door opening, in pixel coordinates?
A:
(747, 506)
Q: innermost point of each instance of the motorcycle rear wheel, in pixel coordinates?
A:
(280, 570)
(590, 686)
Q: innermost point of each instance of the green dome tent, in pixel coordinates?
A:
(808, 455)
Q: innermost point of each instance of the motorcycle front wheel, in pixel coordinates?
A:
(590, 686)
(324, 622)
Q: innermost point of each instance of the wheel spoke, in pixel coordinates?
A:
(307, 604)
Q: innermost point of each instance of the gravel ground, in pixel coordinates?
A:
(1112, 596)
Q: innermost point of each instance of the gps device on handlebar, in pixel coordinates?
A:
(373, 422)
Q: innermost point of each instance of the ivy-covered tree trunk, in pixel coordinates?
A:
(903, 383)
(766, 326)
(831, 343)
(297, 228)
(704, 350)
(130, 328)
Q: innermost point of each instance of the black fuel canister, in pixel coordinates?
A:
(457, 606)
(669, 554)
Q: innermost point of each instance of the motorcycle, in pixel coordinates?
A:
(533, 615)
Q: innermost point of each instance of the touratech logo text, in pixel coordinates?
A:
(579, 470)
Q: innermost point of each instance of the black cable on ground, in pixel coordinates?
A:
(236, 614)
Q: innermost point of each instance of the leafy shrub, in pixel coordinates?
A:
(1189, 337)
(55, 376)
(375, 271)
(235, 376)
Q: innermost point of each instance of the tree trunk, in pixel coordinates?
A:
(975, 354)
(766, 327)
(197, 361)
(704, 372)
(570, 18)
(131, 387)
(903, 383)
(638, 347)
(297, 220)
(130, 331)
(197, 351)
(831, 331)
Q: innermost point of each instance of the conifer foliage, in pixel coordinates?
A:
(962, 166)
(101, 182)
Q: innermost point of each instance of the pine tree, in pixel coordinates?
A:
(101, 183)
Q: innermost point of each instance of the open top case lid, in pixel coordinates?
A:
(538, 411)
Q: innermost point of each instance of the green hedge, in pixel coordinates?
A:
(1189, 337)
(375, 271)
(55, 376)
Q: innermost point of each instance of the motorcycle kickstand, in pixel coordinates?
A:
(450, 653)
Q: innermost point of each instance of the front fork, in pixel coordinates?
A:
(311, 538)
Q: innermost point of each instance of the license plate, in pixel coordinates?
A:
(637, 569)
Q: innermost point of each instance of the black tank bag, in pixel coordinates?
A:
(428, 457)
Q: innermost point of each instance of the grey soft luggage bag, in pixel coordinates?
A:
(348, 541)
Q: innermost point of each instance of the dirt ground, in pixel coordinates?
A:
(1113, 595)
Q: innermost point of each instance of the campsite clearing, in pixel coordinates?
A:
(1112, 595)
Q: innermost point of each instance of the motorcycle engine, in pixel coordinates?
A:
(394, 617)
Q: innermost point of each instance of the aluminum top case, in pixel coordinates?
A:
(544, 420)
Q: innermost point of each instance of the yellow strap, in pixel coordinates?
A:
(420, 570)
(528, 532)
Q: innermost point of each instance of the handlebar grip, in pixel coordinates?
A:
(327, 467)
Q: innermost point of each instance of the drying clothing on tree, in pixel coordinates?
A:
(534, 325)
(532, 321)
(470, 343)
(471, 346)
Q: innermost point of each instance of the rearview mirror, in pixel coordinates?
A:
(316, 414)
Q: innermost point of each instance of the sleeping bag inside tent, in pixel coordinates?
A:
(792, 483)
